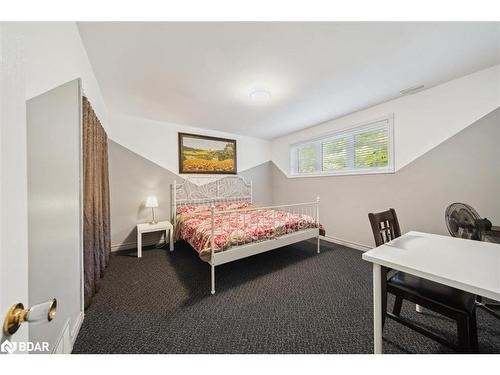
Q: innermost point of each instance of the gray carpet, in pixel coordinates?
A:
(286, 301)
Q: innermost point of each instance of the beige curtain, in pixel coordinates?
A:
(96, 225)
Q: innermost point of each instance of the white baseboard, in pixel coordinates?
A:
(63, 343)
(133, 245)
(74, 331)
(353, 245)
(67, 337)
(339, 241)
(76, 327)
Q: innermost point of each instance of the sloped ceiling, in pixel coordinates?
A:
(202, 74)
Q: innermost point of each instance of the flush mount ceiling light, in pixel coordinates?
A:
(412, 90)
(260, 95)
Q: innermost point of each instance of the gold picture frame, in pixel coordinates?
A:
(201, 154)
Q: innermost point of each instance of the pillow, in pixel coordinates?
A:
(191, 208)
(237, 205)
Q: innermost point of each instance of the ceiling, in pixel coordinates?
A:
(203, 74)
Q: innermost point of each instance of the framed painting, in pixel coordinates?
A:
(208, 155)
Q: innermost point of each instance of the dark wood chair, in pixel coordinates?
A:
(450, 302)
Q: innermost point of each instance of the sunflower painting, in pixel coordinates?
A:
(203, 154)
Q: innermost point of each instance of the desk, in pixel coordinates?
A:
(468, 265)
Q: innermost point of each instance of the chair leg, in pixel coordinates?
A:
(384, 295)
(396, 310)
(473, 332)
(384, 308)
(463, 330)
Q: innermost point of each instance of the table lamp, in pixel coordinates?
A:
(152, 202)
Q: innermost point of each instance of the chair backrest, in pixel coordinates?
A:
(385, 226)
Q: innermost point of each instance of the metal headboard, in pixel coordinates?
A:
(207, 191)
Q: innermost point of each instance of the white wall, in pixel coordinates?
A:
(54, 55)
(157, 141)
(421, 121)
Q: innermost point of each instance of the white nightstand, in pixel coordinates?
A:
(159, 226)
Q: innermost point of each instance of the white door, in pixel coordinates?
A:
(13, 185)
(40, 206)
(55, 212)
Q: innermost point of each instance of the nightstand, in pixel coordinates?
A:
(158, 227)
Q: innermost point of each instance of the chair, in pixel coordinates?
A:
(450, 302)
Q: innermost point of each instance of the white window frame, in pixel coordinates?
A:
(358, 128)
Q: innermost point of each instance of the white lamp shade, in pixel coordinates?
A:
(152, 202)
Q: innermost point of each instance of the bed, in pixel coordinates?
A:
(219, 220)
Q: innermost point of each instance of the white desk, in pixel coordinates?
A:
(159, 226)
(468, 265)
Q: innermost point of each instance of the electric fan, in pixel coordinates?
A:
(464, 222)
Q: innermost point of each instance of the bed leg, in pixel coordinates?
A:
(213, 279)
(319, 244)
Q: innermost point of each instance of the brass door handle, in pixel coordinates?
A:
(17, 314)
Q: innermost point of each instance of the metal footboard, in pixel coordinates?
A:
(279, 235)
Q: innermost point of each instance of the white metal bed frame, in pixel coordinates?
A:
(206, 191)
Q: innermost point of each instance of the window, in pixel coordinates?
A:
(307, 159)
(367, 148)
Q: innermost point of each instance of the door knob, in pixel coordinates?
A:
(17, 314)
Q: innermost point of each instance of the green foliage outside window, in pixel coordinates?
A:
(334, 154)
(371, 149)
(307, 159)
(349, 152)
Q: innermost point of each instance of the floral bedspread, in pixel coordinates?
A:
(235, 228)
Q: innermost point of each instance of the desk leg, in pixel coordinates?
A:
(171, 239)
(377, 309)
(139, 245)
